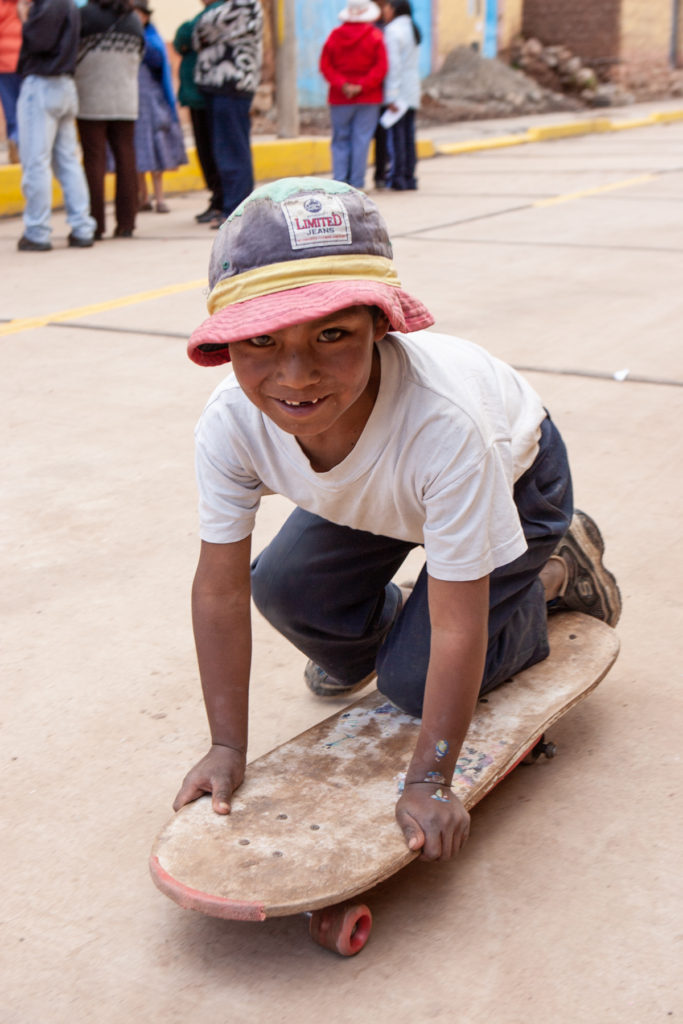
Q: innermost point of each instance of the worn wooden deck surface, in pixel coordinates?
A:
(313, 822)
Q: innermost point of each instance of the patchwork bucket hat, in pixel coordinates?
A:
(296, 250)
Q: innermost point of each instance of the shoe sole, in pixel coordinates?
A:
(585, 542)
(320, 689)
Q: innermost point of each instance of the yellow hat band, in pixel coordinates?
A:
(282, 277)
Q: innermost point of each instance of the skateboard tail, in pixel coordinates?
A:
(193, 899)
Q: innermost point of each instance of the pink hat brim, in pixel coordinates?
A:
(209, 344)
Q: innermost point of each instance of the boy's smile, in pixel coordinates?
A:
(317, 380)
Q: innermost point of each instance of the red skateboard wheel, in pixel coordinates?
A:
(344, 928)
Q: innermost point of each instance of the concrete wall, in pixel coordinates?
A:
(510, 14)
(646, 27)
(459, 23)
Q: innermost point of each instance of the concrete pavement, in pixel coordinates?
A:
(279, 158)
(562, 257)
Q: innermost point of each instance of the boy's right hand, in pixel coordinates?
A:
(220, 773)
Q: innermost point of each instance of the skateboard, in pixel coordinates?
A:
(312, 826)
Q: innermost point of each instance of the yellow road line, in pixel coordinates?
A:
(29, 323)
(570, 196)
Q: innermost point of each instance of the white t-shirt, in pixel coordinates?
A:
(452, 429)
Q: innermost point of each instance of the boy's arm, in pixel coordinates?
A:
(221, 617)
(430, 815)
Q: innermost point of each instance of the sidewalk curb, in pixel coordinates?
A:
(550, 132)
(306, 155)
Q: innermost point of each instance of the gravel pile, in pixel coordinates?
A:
(469, 87)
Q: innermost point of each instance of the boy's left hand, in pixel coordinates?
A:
(433, 820)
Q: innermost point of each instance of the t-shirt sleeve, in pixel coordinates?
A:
(229, 491)
(471, 522)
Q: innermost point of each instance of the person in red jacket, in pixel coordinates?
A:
(354, 62)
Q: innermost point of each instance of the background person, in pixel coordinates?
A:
(354, 62)
(159, 142)
(10, 81)
(402, 89)
(112, 41)
(228, 38)
(190, 96)
(46, 113)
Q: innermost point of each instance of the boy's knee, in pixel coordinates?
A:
(402, 691)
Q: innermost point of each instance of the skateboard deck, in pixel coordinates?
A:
(313, 823)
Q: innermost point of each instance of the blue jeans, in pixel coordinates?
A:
(48, 143)
(10, 83)
(230, 127)
(327, 589)
(353, 127)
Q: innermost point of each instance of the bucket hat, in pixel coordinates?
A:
(360, 10)
(299, 249)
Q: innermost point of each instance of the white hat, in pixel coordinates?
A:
(360, 10)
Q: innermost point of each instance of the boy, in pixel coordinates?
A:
(385, 439)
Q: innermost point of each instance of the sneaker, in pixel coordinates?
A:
(26, 245)
(590, 587)
(209, 214)
(80, 243)
(323, 685)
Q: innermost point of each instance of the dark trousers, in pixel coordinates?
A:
(201, 129)
(404, 154)
(230, 127)
(327, 589)
(381, 153)
(121, 138)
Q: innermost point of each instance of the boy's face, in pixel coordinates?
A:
(316, 380)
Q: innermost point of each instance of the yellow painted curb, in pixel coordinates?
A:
(668, 115)
(569, 129)
(281, 158)
(474, 145)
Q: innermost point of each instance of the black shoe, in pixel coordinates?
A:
(218, 221)
(80, 243)
(209, 214)
(120, 233)
(590, 587)
(323, 685)
(26, 245)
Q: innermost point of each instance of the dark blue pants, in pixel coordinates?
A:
(404, 154)
(230, 127)
(201, 129)
(327, 589)
(10, 84)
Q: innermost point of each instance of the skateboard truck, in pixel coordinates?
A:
(543, 747)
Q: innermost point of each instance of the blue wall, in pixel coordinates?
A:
(315, 19)
(490, 48)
